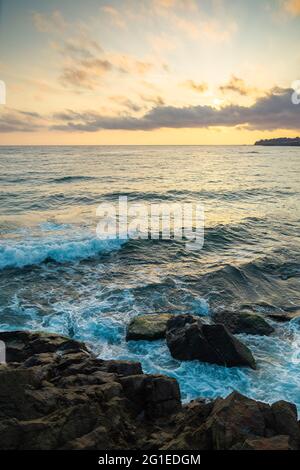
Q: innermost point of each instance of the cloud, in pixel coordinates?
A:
(115, 16)
(161, 43)
(129, 64)
(198, 87)
(78, 78)
(274, 111)
(292, 6)
(125, 102)
(85, 62)
(238, 85)
(175, 4)
(187, 17)
(218, 32)
(79, 48)
(84, 69)
(156, 100)
(20, 121)
(54, 22)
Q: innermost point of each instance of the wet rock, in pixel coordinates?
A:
(148, 327)
(157, 395)
(234, 419)
(243, 322)
(283, 317)
(188, 339)
(267, 443)
(235, 422)
(285, 419)
(21, 345)
(123, 368)
(57, 395)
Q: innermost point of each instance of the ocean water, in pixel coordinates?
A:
(56, 275)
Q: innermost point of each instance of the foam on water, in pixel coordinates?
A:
(72, 246)
(101, 323)
(277, 375)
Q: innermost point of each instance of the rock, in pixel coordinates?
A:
(285, 418)
(243, 322)
(235, 422)
(21, 345)
(283, 316)
(123, 368)
(148, 327)
(267, 443)
(188, 339)
(234, 419)
(57, 395)
(157, 395)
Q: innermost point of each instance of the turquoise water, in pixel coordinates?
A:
(56, 275)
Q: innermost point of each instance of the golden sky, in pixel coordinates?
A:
(148, 72)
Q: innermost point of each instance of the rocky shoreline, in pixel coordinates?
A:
(55, 394)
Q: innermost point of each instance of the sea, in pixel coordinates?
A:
(56, 275)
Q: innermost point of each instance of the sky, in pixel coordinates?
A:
(148, 71)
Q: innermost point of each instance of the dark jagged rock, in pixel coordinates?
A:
(54, 394)
(235, 422)
(188, 339)
(285, 420)
(21, 345)
(148, 327)
(266, 443)
(243, 322)
(283, 316)
(155, 395)
(281, 141)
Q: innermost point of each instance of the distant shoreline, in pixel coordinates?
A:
(280, 142)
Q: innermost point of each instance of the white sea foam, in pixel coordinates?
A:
(36, 250)
(101, 323)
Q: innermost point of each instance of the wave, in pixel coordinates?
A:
(260, 283)
(28, 200)
(71, 179)
(36, 251)
(179, 195)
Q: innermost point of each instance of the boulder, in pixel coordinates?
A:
(233, 420)
(21, 345)
(148, 327)
(285, 420)
(243, 322)
(123, 368)
(157, 395)
(266, 443)
(282, 317)
(188, 339)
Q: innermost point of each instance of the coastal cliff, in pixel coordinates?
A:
(55, 394)
(281, 142)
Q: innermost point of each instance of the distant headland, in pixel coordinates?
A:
(283, 141)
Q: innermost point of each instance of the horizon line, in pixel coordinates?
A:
(127, 145)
